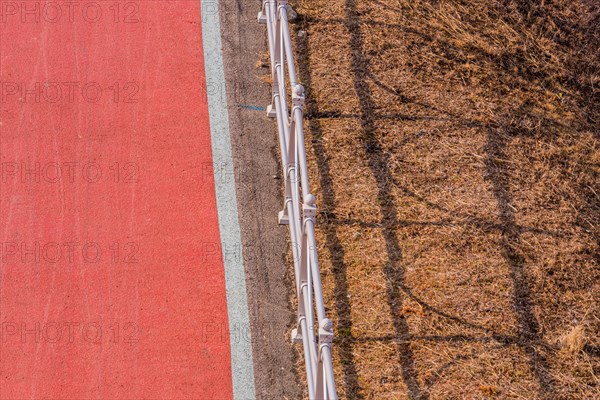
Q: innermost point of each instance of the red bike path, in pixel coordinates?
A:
(111, 280)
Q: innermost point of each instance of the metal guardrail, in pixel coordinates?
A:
(299, 209)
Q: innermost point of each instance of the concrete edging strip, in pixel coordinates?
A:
(242, 367)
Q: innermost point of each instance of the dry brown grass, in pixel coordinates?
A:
(574, 342)
(454, 149)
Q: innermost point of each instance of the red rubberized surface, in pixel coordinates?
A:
(106, 207)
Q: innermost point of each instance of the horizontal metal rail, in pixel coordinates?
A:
(299, 209)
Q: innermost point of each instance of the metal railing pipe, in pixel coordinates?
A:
(299, 209)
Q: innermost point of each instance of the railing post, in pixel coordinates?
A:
(325, 340)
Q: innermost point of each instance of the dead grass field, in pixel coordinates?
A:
(454, 149)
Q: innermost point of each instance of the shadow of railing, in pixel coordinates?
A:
(528, 336)
(332, 242)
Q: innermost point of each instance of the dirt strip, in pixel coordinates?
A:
(257, 173)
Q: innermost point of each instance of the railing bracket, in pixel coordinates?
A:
(309, 209)
(326, 332)
(271, 112)
(283, 218)
(262, 18)
(298, 96)
(296, 337)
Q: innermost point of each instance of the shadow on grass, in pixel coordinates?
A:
(378, 163)
(529, 329)
(529, 336)
(335, 248)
